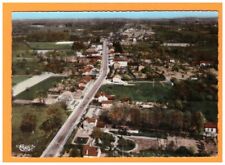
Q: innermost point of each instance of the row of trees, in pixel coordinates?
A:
(154, 119)
(48, 36)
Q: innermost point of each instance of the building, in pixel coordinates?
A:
(205, 64)
(176, 44)
(90, 151)
(210, 129)
(89, 124)
(121, 62)
(106, 104)
(117, 79)
(102, 98)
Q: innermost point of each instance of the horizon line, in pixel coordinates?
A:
(114, 15)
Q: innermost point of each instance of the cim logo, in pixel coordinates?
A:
(25, 148)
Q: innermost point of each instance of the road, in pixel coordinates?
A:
(56, 145)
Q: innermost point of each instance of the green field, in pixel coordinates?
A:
(38, 138)
(48, 46)
(43, 86)
(139, 92)
(19, 78)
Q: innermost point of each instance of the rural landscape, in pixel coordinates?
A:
(115, 87)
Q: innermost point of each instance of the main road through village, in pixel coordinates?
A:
(56, 145)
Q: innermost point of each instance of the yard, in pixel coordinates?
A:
(140, 91)
(38, 137)
(42, 88)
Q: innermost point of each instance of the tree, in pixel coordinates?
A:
(187, 120)
(177, 117)
(198, 120)
(78, 46)
(96, 134)
(51, 123)
(28, 123)
(183, 151)
(118, 47)
(75, 152)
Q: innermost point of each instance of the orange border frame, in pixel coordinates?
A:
(7, 60)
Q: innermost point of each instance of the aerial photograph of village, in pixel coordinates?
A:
(115, 84)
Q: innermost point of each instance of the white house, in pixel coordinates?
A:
(102, 98)
(176, 44)
(210, 129)
(117, 79)
(99, 47)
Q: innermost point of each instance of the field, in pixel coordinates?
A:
(48, 46)
(140, 91)
(38, 138)
(42, 87)
(19, 78)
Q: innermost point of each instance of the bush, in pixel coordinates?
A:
(28, 123)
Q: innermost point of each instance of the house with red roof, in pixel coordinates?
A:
(120, 62)
(90, 151)
(210, 129)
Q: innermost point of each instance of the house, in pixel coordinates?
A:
(71, 59)
(121, 62)
(99, 47)
(176, 44)
(43, 52)
(117, 79)
(84, 81)
(172, 61)
(89, 123)
(91, 50)
(101, 124)
(66, 97)
(210, 129)
(87, 70)
(102, 98)
(90, 151)
(106, 104)
(140, 67)
(205, 64)
(79, 54)
(111, 51)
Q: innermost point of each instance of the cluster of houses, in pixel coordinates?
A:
(132, 35)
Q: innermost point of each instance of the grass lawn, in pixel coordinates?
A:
(139, 92)
(43, 86)
(27, 67)
(48, 46)
(38, 138)
(19, 78)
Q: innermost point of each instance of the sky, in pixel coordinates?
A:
(129, 15)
